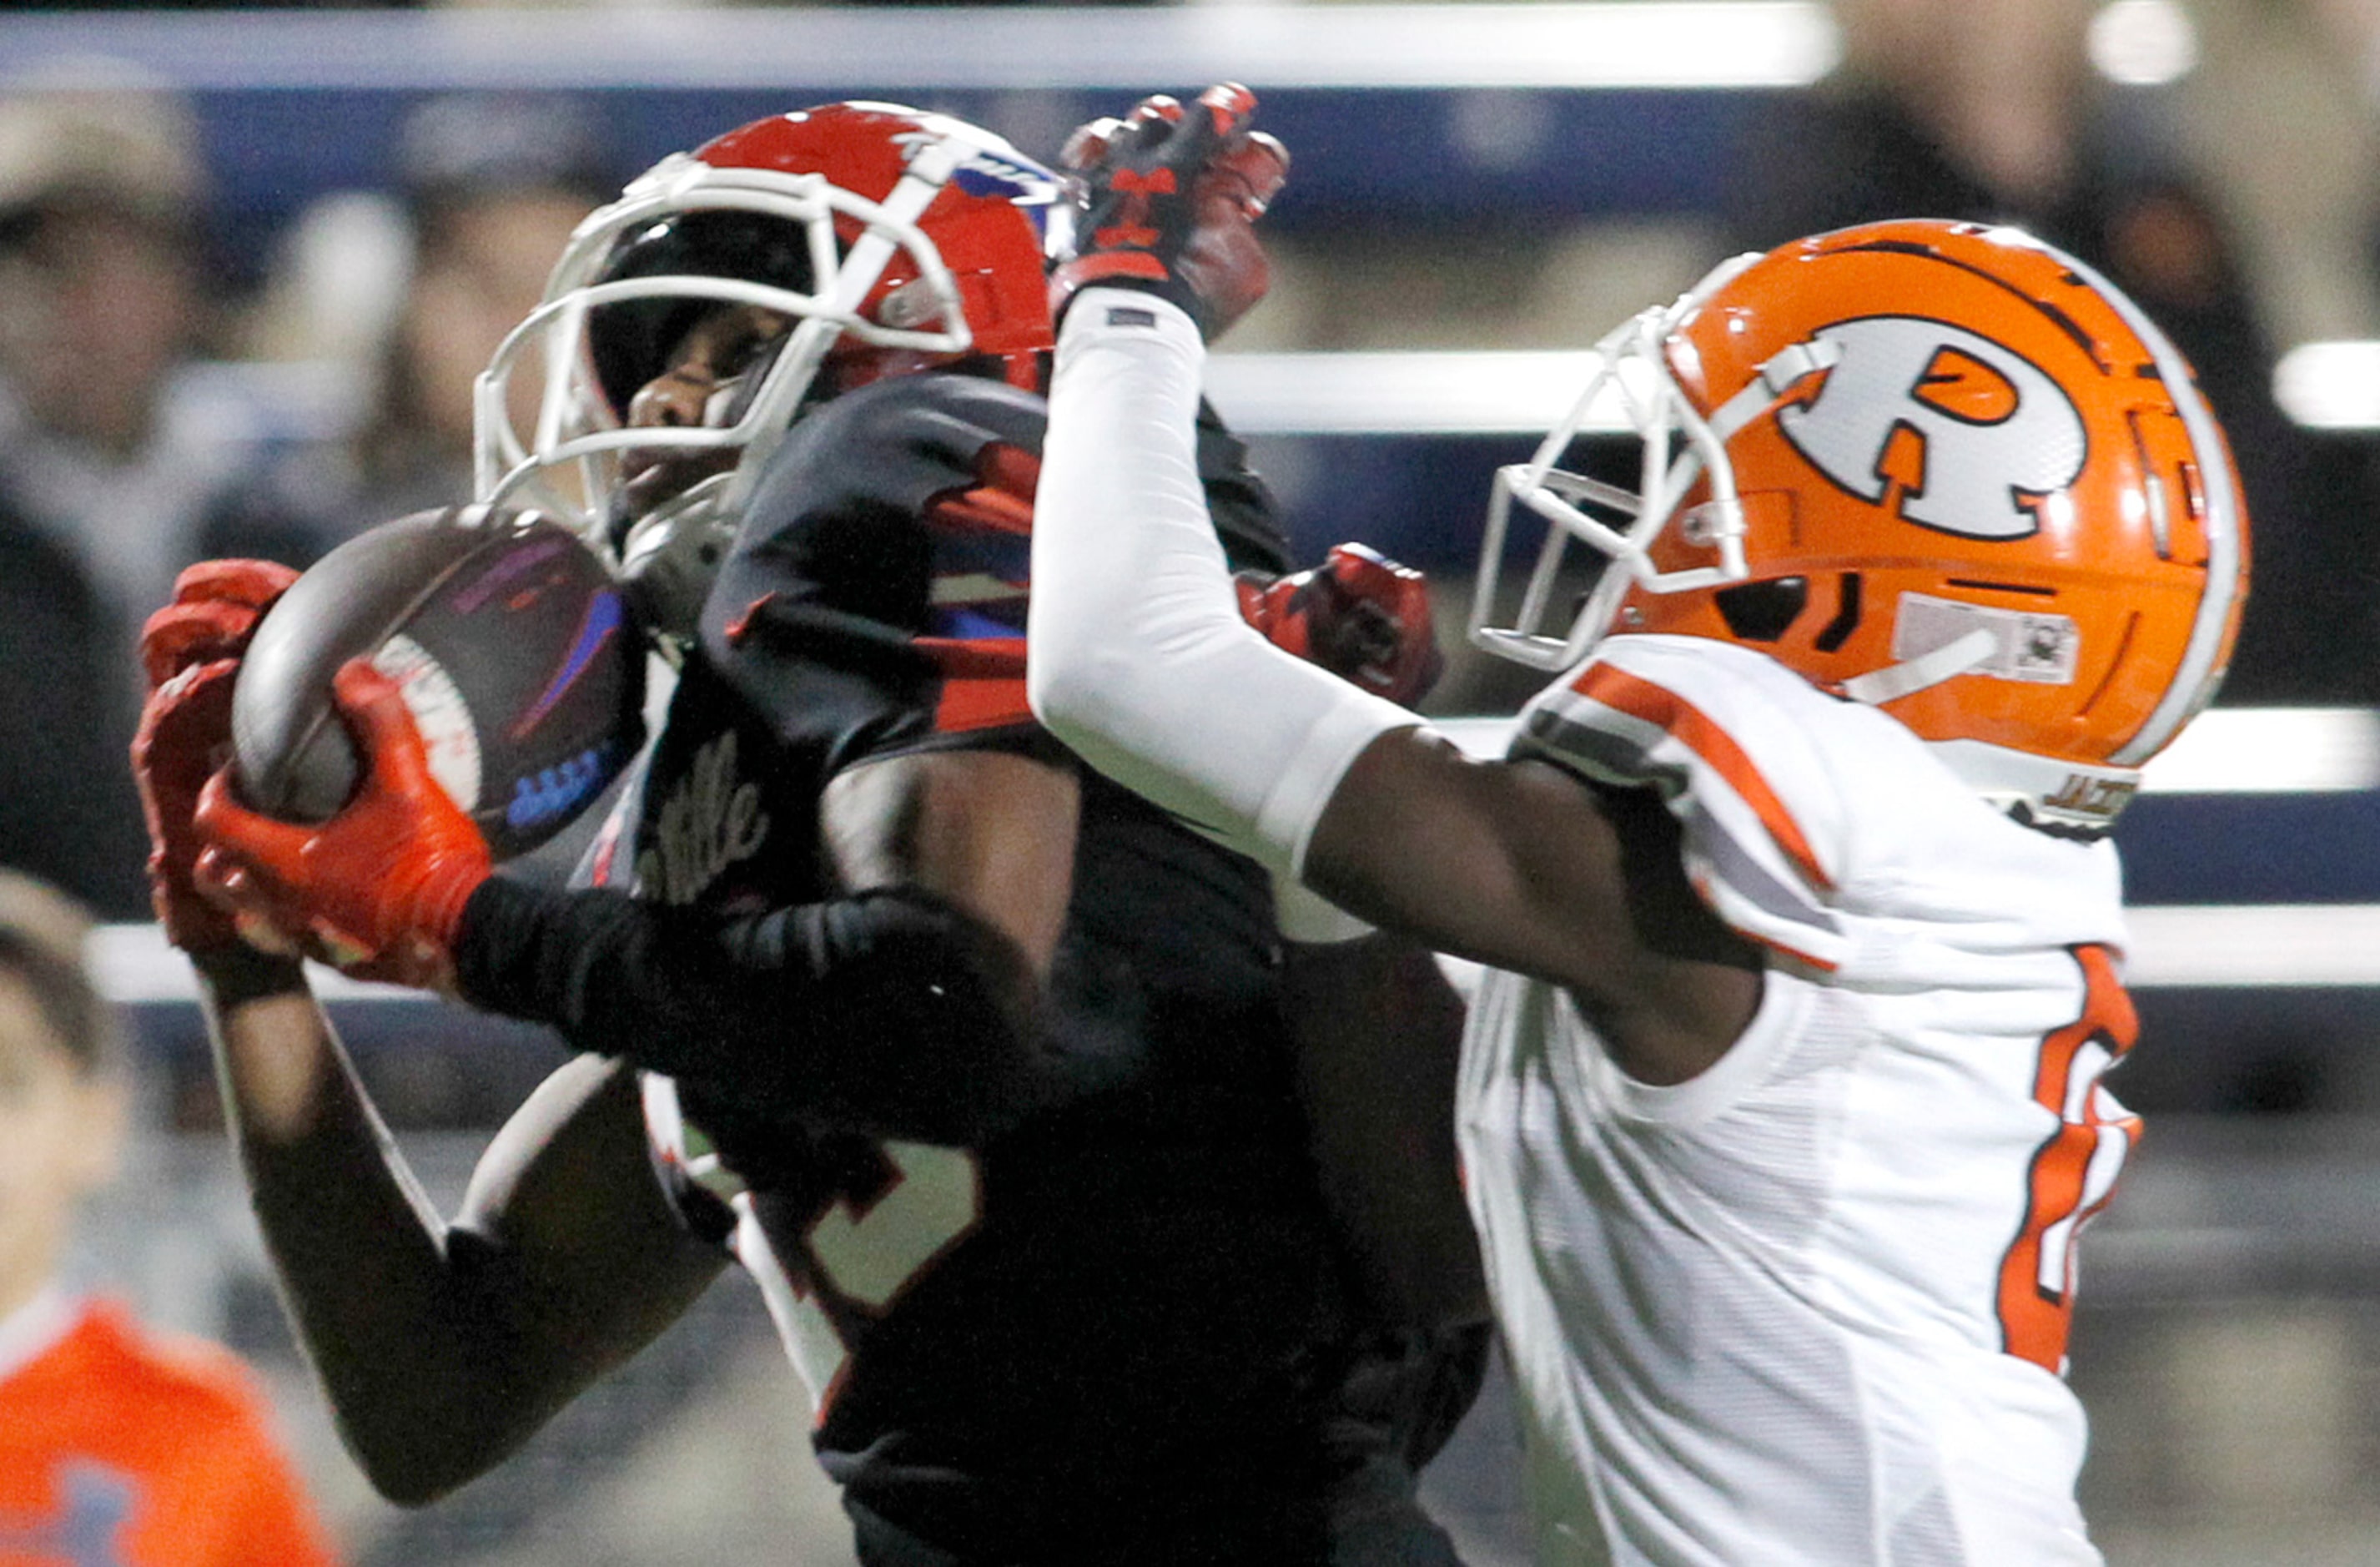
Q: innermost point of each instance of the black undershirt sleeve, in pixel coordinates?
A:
(890, 1013)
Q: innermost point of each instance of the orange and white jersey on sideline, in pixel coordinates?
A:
(124, 1448)
(1810, 1306)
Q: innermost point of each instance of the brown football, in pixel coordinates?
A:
(512, 646)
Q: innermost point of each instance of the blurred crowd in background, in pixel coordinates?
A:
(166, 397)
(123, 459)
(2234, 205)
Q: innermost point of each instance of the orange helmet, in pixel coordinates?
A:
(1939, 467)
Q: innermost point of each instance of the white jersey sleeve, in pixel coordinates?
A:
(1810, 1306)
(1816, 826)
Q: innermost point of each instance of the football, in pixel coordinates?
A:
(510, 643)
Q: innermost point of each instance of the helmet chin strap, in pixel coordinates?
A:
(1776, 379)
(668, 560)
(1897, 680)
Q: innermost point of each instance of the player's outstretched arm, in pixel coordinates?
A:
(1519, 866)
(441, 1346)
(905, 1007)
(1141, 663)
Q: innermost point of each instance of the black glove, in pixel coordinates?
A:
(1170, 199)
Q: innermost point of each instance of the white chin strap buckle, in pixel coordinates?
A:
(1894, 681)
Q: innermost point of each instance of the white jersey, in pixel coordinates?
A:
(1810, 1306)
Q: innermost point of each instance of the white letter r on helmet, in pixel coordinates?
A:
(1952, 430)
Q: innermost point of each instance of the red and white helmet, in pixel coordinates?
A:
(897, 239)
(1941, 468)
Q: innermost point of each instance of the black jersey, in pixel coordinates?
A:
(1115, 1331)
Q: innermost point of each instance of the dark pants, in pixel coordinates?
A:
(1372, 1520)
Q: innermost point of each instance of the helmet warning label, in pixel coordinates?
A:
(2027, 644)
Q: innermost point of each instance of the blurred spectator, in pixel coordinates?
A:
(227, 4)
(493, 186)
(1990, 110)
(118, 1445)
(414, 290)
(120, 461)
(402, 296)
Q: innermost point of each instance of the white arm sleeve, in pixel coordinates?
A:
(1138, 657)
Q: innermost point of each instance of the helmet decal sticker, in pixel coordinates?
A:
(1944, 427)
(2029, 645)
(989, 171)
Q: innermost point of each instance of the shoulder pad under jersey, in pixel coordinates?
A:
(838, 514)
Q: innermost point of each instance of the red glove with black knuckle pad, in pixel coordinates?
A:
(190, 651)
(1359, 614)
(1171, 197)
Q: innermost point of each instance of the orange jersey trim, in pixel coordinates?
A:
(1002, 505)
(2037, 1320)
(1657, 705)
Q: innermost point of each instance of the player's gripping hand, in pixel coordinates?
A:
(1169, 201)
(1359, 614)
(190, 650)
(378, 890)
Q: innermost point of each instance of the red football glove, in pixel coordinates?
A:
(1358, 614)
(191, 649)
(1171, 199)
(378, 890)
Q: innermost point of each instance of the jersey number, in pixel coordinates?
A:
(868, 1253)
(2074, 1171)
